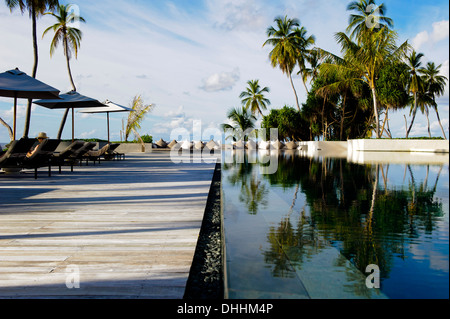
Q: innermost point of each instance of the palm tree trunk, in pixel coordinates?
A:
(293, 87)
(66, 53)
(35, 65)
(375, 111)
(63, 121)
(10, 132)
(414, 115)
(440, 124)
(428, 120)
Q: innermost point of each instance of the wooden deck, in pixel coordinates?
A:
(122, 229)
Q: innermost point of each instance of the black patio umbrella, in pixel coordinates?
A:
(19, 85)
(70, 100)
(111, 108)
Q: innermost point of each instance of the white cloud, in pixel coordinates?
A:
(440, 32)
(221, 81)
(179, 113)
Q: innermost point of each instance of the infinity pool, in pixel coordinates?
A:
(311, 228)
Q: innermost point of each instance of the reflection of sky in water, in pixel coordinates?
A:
(418, 270)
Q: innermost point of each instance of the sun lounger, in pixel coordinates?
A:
(65, 157)
(95, 155)
(111, 153)
(41, 157)
(16, 152)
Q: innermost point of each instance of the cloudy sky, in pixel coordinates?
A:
(192, 58)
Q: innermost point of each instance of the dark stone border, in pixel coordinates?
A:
(206, 275)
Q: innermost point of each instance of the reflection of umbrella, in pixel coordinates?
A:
(16, 84)
(111, 108)
(71, 100)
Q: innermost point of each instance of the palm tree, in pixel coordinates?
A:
(253, 97)
(435, 86)
(415, 82)
(70, 39)
(284, 39)
(303, 51)
(314, 59)
(36, 9)
(366, 58)
(367, 16)
(242, 121)
(136, 117)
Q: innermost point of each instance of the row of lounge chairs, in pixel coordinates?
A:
(46, 154)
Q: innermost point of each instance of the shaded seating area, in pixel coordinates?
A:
(16, 153)
(41, 157)
(95, 155)
(72, 155)
(112, 154)
(53, 152)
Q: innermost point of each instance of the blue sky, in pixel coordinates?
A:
(191, 59)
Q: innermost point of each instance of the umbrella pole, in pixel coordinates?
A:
(15, 115)
(107, 119)
(73, 126)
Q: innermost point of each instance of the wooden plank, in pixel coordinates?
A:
(127, 228)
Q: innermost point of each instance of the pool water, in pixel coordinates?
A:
(311, 228)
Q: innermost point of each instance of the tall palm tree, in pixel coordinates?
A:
(367, 15)
(415, 82)
(66, 35)
(69, 37)
(35, 8)
(253, 97)
(435, 86)
(366, 58)
(304, 42)
(284, 39)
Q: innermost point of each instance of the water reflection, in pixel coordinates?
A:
(355, 208)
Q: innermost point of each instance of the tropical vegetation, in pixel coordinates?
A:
(135, 118)
(70, 38)
(351, 94)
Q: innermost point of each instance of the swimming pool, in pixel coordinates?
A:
(322, 227)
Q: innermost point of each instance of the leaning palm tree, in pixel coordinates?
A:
(435, 86)
(415, 82)
(284, 40)
(367, 15)
(70, 38)
(253, 97)
(135, 117)
(35, 8)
